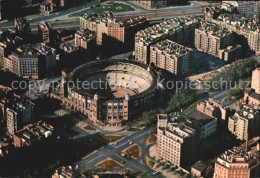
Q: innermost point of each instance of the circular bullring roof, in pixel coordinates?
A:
(114, 79)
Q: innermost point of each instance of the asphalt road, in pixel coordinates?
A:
(113, 151)
(63, 15)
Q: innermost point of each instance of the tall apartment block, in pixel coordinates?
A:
(179, 29)
(252, 95)
(85, 39)
(153, 4)
(31, 61)
(245, 124)
(13, 120)
(8, 41)
(209, 38)
(171, 56)
(176, 141)
(22, 26)
(108, 29)
(44, 31)
(255, 84)
(249, 9)
(242, 161)
(247, 32)
(14, 110)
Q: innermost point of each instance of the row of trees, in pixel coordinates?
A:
(177, 101)
(239, 70)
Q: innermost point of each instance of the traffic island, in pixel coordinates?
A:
(89, 128)
(150, 163)
(152, 139)
(133, 151)
(112, 138)
(109, 164)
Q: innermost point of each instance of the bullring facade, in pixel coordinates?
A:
(109, 92)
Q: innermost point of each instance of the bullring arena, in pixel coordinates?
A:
(109, 92)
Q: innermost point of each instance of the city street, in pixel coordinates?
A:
(113, 150)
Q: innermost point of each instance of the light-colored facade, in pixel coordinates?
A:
(248, 31)
(239, 162)
(179, 30)
(249, 9)
(31, 61)
(171, 56)
(108, 28)
(13, 121)
(244, 124)
(209, 38)
(255, 84)
(175, 139)
(205, 124)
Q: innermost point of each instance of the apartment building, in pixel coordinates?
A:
(179, 29)
(204, 124)
(32, 61)
(176, 140)
(47, 7)
(44, 31)
(252, 95)
(213, 108)
(209, 38)
(245, 123)
(8, 41)
(109, 30)
(178, 136)
(255, 83)
(249, 9)
(153, 4)
(32, 133)
(172, 57)
(242, 161)
(247, 32)
(85, 39)
(66, 172)
(22, 26)
(14, 110)
(13, 120)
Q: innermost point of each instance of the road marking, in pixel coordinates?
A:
(131, 139)
(94, 158)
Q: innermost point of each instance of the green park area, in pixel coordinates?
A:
(112, 6)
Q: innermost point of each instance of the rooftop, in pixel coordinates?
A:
(239, 21)
(241, 155)
(172, 48)
(178, 124)
(69, 47)
(108, 17)
(200, 117)
(150, 34)
(86, 34)
(44, 26)
(200, 166)
(35, 49)
(214, 29)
